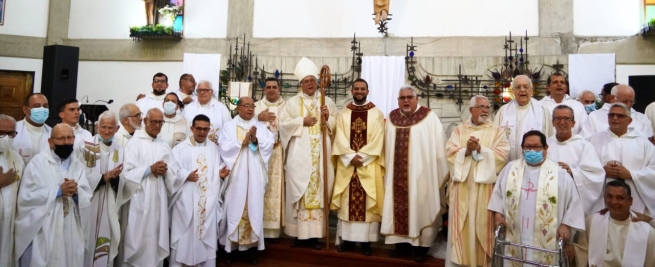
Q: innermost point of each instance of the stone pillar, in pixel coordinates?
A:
(240, 18)
(59, 14)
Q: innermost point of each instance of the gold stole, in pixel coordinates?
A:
(311, 198)
(545, 221)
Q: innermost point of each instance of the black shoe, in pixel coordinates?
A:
(252, 256)
(418, 253)
(313, 243)
(295, 243)
(346, 246)
(366, 248)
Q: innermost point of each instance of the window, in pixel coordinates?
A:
(649, 11)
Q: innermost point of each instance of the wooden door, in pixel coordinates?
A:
(14, 87)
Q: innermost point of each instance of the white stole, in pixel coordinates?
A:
(23, 142)
(533, 120)
(636, 242)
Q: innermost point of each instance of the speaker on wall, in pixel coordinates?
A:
(644, 86)
(59, 81)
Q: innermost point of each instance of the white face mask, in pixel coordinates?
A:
(6, 143)
(169, 108)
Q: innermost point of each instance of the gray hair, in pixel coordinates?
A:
(623, 106)
(408, 87)
(616, 88)
(558, 107)
(211, 86)
(125, 111)
(522, 76)
(152, 110)
(586, 92)
(108, 115)
(9, 118)
(475, 98)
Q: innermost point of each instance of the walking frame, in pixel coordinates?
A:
(499, 256)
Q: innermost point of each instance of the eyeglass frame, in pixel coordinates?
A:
(533, 148)
(11, 134)
(248, 106)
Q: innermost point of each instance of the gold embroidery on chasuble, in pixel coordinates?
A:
(403, 124)
(356, 192)
(203, 184)
(311, 198)
(213, 134)
(273, 196)
(245, 229)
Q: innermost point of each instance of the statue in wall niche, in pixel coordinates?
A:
(152, 8)
(381, 10)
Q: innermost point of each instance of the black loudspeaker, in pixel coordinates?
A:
(59, 81)
(644, 86)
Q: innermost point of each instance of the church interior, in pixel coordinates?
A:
(105, 53)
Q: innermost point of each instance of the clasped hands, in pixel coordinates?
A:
(251, 136)
(114, 173)
(159, 168)
(68, 188)
(617, 171)
(473, 144)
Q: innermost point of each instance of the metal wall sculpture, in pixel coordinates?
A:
(243, 66)
(495, 83)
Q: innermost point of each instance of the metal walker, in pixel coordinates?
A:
(499, 256)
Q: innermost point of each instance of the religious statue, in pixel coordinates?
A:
(381, 10)
(152, 7)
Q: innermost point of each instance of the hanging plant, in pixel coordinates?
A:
(171, 12)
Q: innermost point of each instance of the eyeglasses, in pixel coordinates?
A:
(191, 80)
(200, 91)
(159, 81)
(138, 115)
(533, 148)
(616, 115)
(407, 97)
(64, 138)
(11, 134)
(248, 106)
(201, 129)
(483, 107)
(566, 119)
(522, 87)
(156, 122)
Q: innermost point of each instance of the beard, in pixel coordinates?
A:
(158, 93)
(482, 119)
(136, 126)
(359, 100)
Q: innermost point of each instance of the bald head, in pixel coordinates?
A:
(246, 108)
(154, 120)
(61, 129)
(623, 93)
(522, 88)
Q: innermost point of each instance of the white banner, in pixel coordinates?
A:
(590, 72)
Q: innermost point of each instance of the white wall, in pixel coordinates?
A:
(24, 64)
(122, 81)
(624, 71)
(112, 19)
(342, 18)
(607, 17)
(26, 18)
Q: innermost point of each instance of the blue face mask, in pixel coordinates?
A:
(589, 108)
(39, 115)
(106, 141)
(533, 157)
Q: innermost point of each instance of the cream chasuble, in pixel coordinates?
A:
(48, 226)
(149, 102)
(470, 228)
(650, 114)
(246, 185)
(8, 194)
(196, 206)
(518, 120)
(31, 140)
(174, 130)
(535, 201)
(359, 191)
(274, 197)
(100, 219)
(216, 111)
(588, 173)
(304, 165)
(146, 238)
(597, 122)
(578, 109)
(637, 155)
(412, 197)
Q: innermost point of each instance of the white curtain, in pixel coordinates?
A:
(590, 72)
(384, 75)
(203, 67)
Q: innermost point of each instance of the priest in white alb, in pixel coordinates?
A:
(650, 113)
(621, 93)
(267, 111)
(626, 154)
(578, 157)
(245, 145)
(301, 137)
(197, 206)
(210, 107)
(33, 133)
(100, 220)
(156, 98)
(557, 86)
(521, 115)
(150, 173)
(416, 168)
(11, 170)
(52, 192)
(477, 151)
(130, 117)
(615, 238)
(537, 202)
(358, 153)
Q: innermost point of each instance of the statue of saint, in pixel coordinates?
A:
(381, 10)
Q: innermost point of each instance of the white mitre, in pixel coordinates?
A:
(305, 68)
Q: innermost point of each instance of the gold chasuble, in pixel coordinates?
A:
(359, 191)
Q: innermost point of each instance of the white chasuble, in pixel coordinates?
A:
(100, 219)
(587, 171)
(470, 229)
(31, 140)
(535, 201)
(216, 111)
(304, 165)
(597, 122)
(246, 185)
(416, 168)
(518, 120)
(273, 199)
(196, 206)
(620, 243)
(146, 239)
(10, 159)
(578, 109)
(637, 155)
(46, 223)
(650, 114)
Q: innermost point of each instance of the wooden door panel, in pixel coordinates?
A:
(14, 87)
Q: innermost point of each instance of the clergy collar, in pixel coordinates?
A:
(417, 108)
(211, 102)
(631, 133)
(549, 98)
(142, 134)
(157, 97)
(173, 119)
(316, 95)
(32, 128)
(59, 161)
(365, 104)
(123, 131)
(273, 104)
(470, 124)
(573, 138)
(244, 123)
(193, 142)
